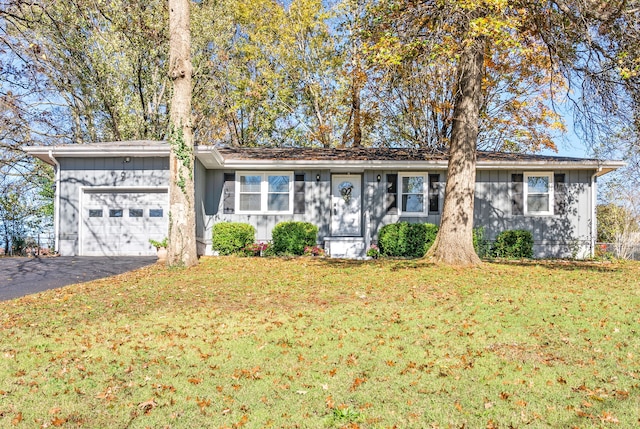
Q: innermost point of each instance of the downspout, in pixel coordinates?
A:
(56, 204)
(594, 217)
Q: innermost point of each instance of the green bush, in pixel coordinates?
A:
(480, 244)
(516, 243)
(404, 239)
(232, 237)
(291, 238)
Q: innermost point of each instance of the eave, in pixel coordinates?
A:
(211, 158)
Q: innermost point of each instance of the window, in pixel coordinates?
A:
(538, 193)
(412, 189)
(278, 193)
(155, 213)
(95, 213)
(250, 193)
(115, 213)
(264, 192)
(135, 212)
(434, 193)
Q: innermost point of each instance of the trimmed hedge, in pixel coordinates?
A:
(291, 238)
(516, 243)
(404, 239)
(229, 238)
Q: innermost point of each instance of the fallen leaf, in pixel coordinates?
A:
(58, 421)
(17, 419)
(608, 417)
(147, 406)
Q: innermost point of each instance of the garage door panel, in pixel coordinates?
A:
(130, 231)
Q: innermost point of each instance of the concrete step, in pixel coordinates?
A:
(345, 247)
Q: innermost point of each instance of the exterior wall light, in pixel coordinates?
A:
(378, 178)
(317, 177)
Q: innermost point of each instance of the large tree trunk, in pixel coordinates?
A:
(454, 242)
(182, 223)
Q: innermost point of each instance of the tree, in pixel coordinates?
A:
(182, 224)
(100, 67)
(620, 226)
(473, 34)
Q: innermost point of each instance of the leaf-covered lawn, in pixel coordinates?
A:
(251, 342)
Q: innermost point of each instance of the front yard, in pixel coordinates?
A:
(309, 342)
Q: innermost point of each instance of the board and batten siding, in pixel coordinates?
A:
(78, 173)
(565, 234)
(560, 235)
(219, 202)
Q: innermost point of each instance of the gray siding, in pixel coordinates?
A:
(563, 235)
(200, 186)
(76, 173)
(317, 206)
(568, 234)
(559, 235)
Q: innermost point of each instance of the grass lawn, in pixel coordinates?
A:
(321, 343)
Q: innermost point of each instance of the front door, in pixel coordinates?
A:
(346, 205)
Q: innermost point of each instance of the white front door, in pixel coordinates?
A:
(346, 205)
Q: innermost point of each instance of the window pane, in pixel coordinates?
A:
(278, 202)
(115, 213)
(413, 203)
(278, 183)
(135, 212)
(537, 203)
(413, 185)
(250, 183)
(95, 213)
(155, 212)
(250, 202)
(538, 184)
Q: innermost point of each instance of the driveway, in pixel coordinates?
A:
(24, 276)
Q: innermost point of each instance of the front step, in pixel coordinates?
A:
(345, 247)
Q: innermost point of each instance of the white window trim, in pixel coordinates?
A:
(264, 191)
(525, 193)
(425, 193)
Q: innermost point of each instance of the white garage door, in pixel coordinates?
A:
(121, 223)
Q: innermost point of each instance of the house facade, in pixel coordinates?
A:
(111, 198)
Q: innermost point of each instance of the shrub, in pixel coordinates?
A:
(314, 251)
(373, 252)
(232, 237)
(404, 239)
(480, 244)
(256, 249)
(515, 243)
(291, 238)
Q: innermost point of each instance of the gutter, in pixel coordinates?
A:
(56, 204)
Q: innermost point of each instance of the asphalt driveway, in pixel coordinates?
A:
(24, 276)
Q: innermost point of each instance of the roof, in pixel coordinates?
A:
(336, 159)
(375, 154)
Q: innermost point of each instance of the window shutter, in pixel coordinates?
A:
(229, 193)
(298, 193)
(392, 193)
(517, 191)
(560, 194)
(434, 193)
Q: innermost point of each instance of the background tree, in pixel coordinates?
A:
(101, 64)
